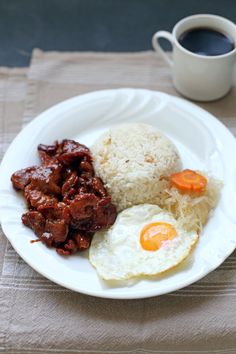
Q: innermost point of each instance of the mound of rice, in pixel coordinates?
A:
(131, 159)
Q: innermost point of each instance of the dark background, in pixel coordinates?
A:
(94, 25)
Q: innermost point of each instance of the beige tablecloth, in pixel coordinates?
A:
(37, 316)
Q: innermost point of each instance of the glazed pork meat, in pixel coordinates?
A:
(67, 203)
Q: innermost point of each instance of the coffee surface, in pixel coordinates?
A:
(206, 41)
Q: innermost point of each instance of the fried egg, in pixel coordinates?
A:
(145, 240)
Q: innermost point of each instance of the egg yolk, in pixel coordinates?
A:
(153, 235)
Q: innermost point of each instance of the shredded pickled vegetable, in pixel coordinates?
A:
(192, 211)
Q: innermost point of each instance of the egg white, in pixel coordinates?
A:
(117, 253)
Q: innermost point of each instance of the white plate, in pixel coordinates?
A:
(204, 144)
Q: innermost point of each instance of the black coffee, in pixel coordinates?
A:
(206, 41)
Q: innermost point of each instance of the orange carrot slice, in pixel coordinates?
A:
(188, 181)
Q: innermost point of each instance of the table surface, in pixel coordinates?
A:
(92, 25)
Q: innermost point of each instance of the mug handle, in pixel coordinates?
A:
(156, 46)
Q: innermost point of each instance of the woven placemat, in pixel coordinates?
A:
(37, 316)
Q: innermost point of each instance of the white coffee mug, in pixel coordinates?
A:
(199, 77)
